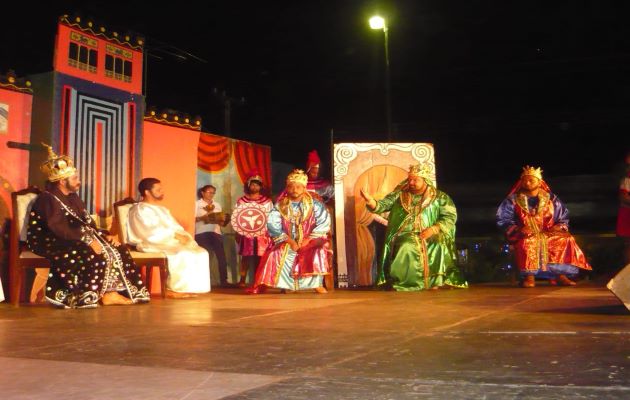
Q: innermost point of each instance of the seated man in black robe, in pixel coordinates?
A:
(87, 265)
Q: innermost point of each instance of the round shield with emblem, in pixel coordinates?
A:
(249, 219)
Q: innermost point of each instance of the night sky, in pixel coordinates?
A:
(493, 84)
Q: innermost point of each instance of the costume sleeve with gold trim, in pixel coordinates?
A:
(274, 226)
(386, 203)
(506, 218)
(560, 214)
(322, 220)
(447, 216)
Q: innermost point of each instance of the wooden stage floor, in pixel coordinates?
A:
(490, 341)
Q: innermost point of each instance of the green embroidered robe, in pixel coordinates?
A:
(408, 262)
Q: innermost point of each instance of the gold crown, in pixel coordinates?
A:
(297, 176)
(531, 171)
(423, 170)
(57, 167)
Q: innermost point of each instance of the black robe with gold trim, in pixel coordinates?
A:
(60, 229)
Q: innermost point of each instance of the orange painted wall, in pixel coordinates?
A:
(170, 155)
(14, 162)
(60, 63)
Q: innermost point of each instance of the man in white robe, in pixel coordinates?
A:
(152, 228)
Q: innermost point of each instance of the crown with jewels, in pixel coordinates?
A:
(423, 170)
(297, 176)
(531, 171)
(57, 167)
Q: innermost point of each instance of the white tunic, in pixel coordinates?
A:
(152, 229)
(200, 211)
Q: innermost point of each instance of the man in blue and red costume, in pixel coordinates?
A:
(298, 225)
(536, 223)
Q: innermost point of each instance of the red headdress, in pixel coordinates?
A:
(313, 160)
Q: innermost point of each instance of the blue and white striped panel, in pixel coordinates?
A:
(86, 114)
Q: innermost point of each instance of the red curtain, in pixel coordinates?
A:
(248, 156)
(213, 153)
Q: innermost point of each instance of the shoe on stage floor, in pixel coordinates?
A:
(256, 290)
(114, 298)
(564, 281)
(529, 281)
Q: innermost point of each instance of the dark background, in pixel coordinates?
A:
(493, 84)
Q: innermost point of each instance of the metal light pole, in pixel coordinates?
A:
(377, 22)
(227, 103)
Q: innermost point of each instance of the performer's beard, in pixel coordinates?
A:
(296, 195)
(418, 188)
(254, 188)
(70, 187)
(418, 191)
(313, 173)
(159, 197)
(530, 188)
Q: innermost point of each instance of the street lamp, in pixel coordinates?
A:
(377, 22)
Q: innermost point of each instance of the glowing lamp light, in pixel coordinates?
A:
(377, 22)
(176, 118)
(164, 115)
(153, 113)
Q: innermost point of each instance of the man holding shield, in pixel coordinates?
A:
(250, 224)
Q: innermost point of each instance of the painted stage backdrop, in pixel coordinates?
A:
(378, 168)
(225, 163)
(91, 108)
(15, 127)
(16, 99)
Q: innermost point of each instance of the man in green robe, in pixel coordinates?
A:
(419, 248)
